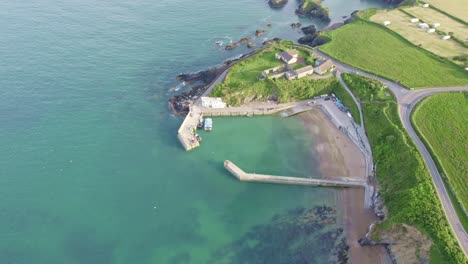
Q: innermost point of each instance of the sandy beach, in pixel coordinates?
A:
(339, 156)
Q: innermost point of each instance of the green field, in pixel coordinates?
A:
(378, 50)
(241, 84)
(405, 182)
(441, 120)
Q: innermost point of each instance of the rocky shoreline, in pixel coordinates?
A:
(180, 103)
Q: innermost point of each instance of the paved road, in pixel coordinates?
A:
(407, 99)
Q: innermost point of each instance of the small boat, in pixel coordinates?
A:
(249, 115)
(208, 126)
(197, 136)
(219, 43)
(200, 122)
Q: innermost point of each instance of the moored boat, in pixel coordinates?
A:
(200, 122)
(208, 126)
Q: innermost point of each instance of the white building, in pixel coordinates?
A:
(436, 25)
(288, 57)
(446, 37)
(386, 23)
(423, 25)
(414, 20)
(431, 30)
(425, 5)
(213, 102)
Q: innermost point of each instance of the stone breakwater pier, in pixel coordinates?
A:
(340, 182)
(253, 177)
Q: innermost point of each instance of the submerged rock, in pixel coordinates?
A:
(299, 235)
(296, 25)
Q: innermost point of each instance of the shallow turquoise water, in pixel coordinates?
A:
(90, 168)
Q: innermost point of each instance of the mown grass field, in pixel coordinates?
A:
(456, 8)
(442, 121)
(378, 50)
(405, 182)
(432, 42)
(447, 24)
(241, 84)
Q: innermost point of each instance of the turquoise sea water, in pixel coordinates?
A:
(91, 170)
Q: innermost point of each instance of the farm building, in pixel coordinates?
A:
(300, 73)
(414, 20)
(436, 25)
(386, 23)
(423, 25)
(276, 72)
(288, 57)
(213, 102)
(446, 37)
(324, 67)
(431, 30)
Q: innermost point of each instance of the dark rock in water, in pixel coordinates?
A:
(251, 45)
(296, 25)
(203, 76)
(277, 3)
(237, 43)
(231, 46)
(269, 25)
(244, 40)
(277, 40)
(309, 30)
(307, 39)
(259, 32)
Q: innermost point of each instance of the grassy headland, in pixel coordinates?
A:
(440, 120)
(242, 85)
(405, 182)
(376, 49)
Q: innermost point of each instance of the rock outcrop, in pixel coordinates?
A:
(237, 43)
(277, 3)
(313, 10)
(259, 32)
(309, 30)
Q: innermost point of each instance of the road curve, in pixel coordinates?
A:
(405, 110)
(407, 100)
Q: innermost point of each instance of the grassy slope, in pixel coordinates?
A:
(241, 84)
(378, 50)
(441, 120)
(405, 182)
(348, 101)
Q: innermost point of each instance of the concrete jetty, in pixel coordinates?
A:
(253, 177)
